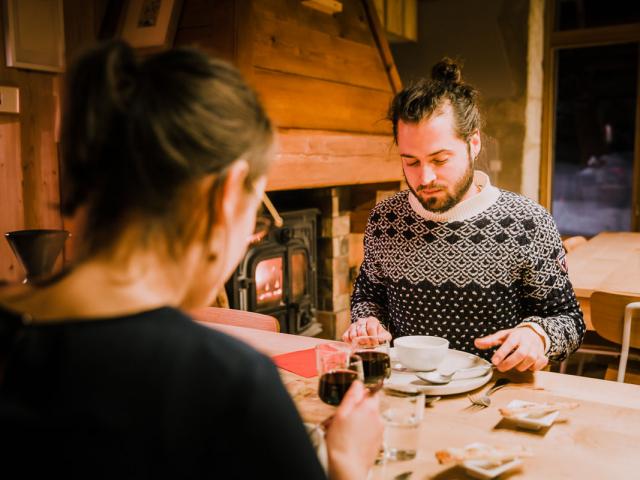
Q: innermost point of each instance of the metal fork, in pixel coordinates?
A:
(484, 400)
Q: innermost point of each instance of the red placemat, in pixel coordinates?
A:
(301, 362)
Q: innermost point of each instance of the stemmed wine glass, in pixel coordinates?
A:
(376, 362)
(338, 368)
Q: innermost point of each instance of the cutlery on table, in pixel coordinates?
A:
(443, 377)
(484, 400)
(403, 476)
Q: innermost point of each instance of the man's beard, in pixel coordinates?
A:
(436, 204)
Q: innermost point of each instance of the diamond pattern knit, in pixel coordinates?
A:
(470, 278)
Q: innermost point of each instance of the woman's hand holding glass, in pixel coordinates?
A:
(354, 432)
(354, 436)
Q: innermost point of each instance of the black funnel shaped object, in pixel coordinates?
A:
(37, 250)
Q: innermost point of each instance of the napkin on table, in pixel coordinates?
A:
(301, 362)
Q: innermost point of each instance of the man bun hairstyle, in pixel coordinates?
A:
(425, 98)
(447, 72)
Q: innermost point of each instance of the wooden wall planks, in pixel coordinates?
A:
(29, 164)
(313, 159)
(313, 71)
(317, 74)
(11, 200)
(285, 44)
(303, 102)
(29, 161)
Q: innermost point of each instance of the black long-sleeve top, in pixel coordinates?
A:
(151, 395)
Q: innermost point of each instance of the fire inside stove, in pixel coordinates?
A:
(269, 282)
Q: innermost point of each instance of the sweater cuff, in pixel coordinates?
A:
(540, 331)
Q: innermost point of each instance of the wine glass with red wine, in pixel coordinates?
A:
(338, 368)
(376, 363)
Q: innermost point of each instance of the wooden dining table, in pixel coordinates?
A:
(597, 440)
(608, 262)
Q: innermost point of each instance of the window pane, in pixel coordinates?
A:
(574, 14)
(593, 151)
(269, 282)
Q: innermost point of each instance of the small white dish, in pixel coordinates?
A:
(485, 470)
(530, 421)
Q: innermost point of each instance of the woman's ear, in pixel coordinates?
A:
(233, 191)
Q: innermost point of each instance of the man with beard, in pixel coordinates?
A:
(455, 256)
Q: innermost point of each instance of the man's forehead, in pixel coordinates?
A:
(427, 136)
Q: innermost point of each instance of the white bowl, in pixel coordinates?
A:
(421, 352)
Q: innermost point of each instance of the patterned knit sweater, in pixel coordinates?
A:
(492, 262)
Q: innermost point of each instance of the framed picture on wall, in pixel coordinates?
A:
(150, 24)
(34, 34)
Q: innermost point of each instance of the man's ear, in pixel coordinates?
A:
(475, 144)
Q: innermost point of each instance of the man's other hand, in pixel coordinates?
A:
(520, 348)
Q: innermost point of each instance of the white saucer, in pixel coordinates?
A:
(406, 380)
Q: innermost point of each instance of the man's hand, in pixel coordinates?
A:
(369, 326)
(521, 348)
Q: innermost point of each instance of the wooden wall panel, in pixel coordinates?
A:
(285, 44)
(39, 152)
(318, 71)
(350, 24)
(29, 164)
(208, 26)
(11, 203)
(313, 159)
(30, 169)
(312, 71)
(294, 101)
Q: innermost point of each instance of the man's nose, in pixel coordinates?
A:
(427, 175)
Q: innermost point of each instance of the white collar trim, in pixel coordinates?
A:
(466, 209)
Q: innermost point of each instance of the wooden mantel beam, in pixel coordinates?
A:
(318, 158)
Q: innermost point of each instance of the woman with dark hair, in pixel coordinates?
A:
(101, 374)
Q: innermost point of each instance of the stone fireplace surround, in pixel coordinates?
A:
(341, 223)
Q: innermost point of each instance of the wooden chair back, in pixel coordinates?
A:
(616, 318)
(238, 318)
(607, 316)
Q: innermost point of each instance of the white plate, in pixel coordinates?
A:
(405, 379)
(531, 422)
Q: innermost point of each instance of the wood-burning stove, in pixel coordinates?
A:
(278, 275)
